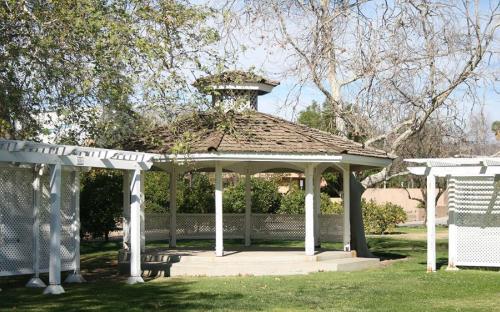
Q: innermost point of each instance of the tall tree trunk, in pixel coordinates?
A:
(358, 238)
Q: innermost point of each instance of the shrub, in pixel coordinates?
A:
(381, 218)
(293, 202)
(265, 197)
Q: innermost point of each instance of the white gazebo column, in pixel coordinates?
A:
(309, 209)
(452, 226)
(35, 281)
(75, 276)
(55, 287)
(173, 208)
(219, 230)
(431, 223)
(135, 229)
(142, 201)
(126, 210)
(346, 176)
(248, 209)
(317, 207)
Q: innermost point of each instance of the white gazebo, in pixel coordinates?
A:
(237, 138)
(473, 209)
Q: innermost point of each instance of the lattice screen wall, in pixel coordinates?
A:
(264, 226)
(16, 222)
(474, 204)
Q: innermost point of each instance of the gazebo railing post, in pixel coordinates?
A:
(173, 208)
(55, 287)
(317, 207)
(35, 281)
(346, 179)
(248, 208)
(309, 210)
(76, 276)
(431, 223)
(219, 227)
(135, 229)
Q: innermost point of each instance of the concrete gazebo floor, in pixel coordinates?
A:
(244, 261)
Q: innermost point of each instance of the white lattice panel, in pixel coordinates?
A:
(16, 222)
(475, 209)
(279, 226)
(16, 197)
(157, 226)
(264, 226)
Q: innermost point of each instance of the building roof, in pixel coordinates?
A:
(250, 132)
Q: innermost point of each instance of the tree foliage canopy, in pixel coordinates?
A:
(92, 58)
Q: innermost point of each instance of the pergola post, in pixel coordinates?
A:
(346, 179)
(55, 287)
(75, 276)
(173, 208)
(309, 210)
(126, 210)
(135, 229)
(248, 209)
(142, 201)
(452, 225)
(431, 223)
(317, 207)
(35, 281)
(219, 231)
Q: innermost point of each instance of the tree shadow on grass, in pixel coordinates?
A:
(387, 248)
(169, 295)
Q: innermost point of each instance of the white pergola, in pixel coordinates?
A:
(480, 172)
(73, 158)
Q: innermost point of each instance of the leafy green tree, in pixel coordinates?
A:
(265, 197)
(90, 58)
(195, 194)
(101, 201)
(157, 191)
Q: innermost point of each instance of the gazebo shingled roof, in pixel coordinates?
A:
(254, 132)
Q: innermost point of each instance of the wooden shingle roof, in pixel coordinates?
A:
(251, 132)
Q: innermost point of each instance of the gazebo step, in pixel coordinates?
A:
(174, 256)
(283, 268)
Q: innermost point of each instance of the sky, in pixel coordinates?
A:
(258, 56)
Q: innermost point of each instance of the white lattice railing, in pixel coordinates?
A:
(264, 226)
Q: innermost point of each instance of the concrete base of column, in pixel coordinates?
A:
(452, 268)
(74, 278)
(134, 280)
(35, 282)
(53, 290)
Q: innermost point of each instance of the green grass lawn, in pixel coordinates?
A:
(400, 285)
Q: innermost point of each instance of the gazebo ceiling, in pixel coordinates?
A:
(250, 132)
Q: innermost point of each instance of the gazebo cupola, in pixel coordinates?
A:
(235, 90)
